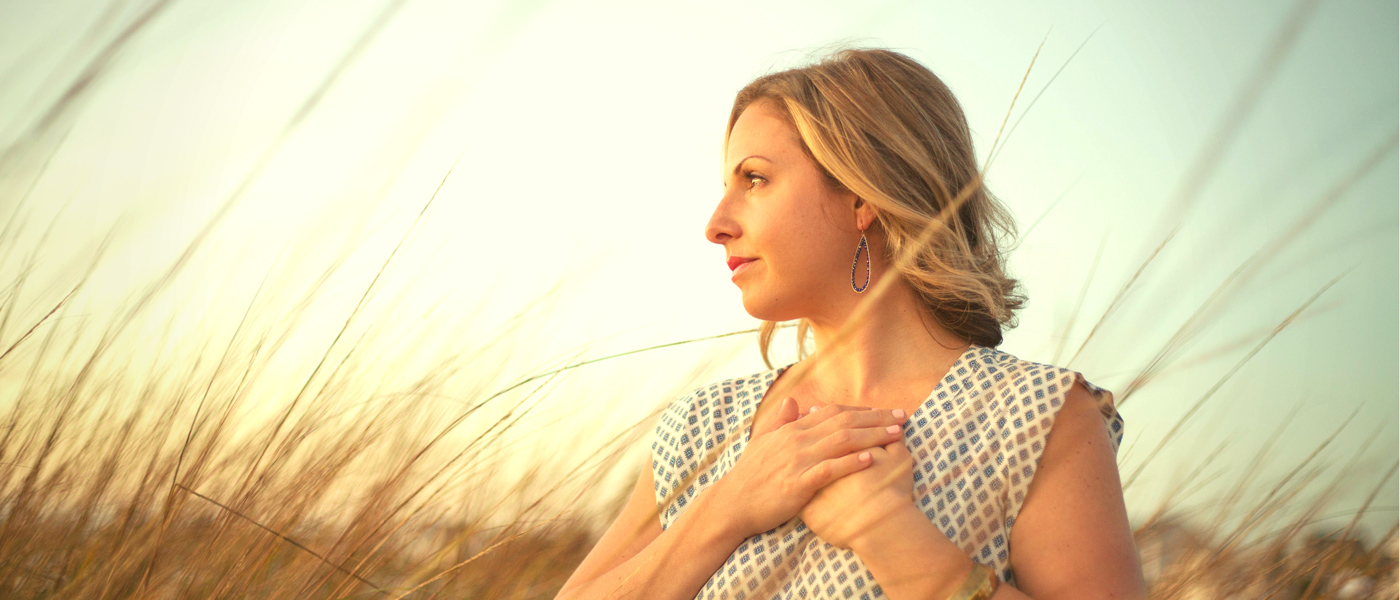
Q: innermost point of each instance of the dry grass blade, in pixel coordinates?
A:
(279, 535)
(1308, 593)
(469, 560)
(1196, 323)
(987, 164)
(39, 323)
(1171, 433)
(1208, 161)
(1079, 304)
(996, 149)
(1041, 217)
(83, 83)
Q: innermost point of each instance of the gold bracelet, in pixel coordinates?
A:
(980, 584)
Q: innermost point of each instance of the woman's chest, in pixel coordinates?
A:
(958, 468)
(960, 476)
(959, 485)
(790, 562)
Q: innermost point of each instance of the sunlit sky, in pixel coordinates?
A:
(589, 136)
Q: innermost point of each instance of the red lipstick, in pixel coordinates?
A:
(735, 261)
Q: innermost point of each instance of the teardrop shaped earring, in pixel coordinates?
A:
(866, 248)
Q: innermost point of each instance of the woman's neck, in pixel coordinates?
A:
(898, 351)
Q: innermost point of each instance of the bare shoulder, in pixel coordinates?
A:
(1079, 421)
(1072, 538)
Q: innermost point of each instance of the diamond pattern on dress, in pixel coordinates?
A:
(976, 442)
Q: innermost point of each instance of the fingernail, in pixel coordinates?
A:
(864, 456)
(814, 409)
(899, 413)
(892, 429)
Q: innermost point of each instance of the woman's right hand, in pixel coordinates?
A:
(781, 469)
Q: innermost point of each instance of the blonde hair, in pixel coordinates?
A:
(883, 126)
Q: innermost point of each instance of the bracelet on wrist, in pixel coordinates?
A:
(980, 584)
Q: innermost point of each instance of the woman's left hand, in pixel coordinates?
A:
(848, 507)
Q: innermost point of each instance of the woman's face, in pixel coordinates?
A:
(779, 210)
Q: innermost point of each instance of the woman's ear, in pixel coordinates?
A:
(865, 214)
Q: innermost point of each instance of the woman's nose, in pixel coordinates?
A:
(721, 227)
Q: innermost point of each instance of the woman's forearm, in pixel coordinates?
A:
(910, 558)
(674, 565)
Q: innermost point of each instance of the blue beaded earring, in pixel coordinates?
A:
(866, 248)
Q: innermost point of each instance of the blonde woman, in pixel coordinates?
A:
(906, 457)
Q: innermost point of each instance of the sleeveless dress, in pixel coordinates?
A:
(976, 441)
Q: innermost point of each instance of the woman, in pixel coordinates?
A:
(894, 460)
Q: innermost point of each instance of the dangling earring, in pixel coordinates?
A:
(866, 248)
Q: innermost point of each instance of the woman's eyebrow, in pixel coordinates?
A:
(739, 166)
(741, 163)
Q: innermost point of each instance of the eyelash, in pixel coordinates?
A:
(750, 175)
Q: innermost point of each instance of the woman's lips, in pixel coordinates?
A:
(741, 268)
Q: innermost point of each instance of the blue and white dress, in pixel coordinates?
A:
(976, 441)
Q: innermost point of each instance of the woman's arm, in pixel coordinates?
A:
(1072, 538)
(635, 558)
(1071, 541)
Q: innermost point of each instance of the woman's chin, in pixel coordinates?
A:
(752, 306)
(764, 311)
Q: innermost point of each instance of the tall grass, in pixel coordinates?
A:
(138, 460)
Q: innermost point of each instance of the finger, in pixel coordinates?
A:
(769, 426)
(829, 470)
(840, 406)
(846, 441)
(898, 449)
(836, 416)
(789, 412)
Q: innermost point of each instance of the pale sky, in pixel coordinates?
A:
(589, 137)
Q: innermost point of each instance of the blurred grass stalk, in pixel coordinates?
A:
(179, 467)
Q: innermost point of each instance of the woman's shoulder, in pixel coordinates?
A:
(694, 425)
(701, 414)
(1031, 393)
(724, 391)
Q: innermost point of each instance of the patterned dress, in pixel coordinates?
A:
(976, 441)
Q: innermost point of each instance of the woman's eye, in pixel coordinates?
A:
(751, 177)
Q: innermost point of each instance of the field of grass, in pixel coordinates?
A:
(168, 478)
